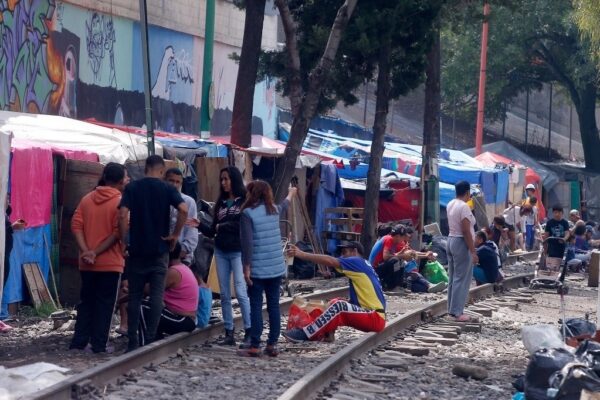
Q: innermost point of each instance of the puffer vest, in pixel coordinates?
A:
(267, 251)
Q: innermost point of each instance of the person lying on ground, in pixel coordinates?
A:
(366, 309)
(487, 270)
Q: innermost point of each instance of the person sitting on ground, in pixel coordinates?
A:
(366, 309)
(589, 236)
(386, 259)
(557, 227)
(502, 233)
(487, 270)
(409, 258)
(180, 299)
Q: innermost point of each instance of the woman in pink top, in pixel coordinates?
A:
(181, 299)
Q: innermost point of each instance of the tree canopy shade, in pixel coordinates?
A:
(530, 42)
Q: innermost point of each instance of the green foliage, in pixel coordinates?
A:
(530, 41)
(44, 310)
(406, 23)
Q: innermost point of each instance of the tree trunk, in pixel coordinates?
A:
(241, 120)
(370, 216)
(431, 135)
(306, 105)
(586, 111)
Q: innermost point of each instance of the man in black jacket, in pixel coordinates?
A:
(487, 271)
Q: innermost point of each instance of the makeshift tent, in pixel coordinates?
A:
(491, 159)
(73, 135)
(4, 166)
(549, 177)
(453, 165)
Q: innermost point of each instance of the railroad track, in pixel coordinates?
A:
(309, 385)
(154, 353)
(317, 374)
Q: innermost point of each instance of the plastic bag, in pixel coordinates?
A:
(434, 272)
(303, 312)
(543, 364)
(536, 337)
(572, 379)
(577, 327)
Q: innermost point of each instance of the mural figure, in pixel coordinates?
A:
(173, 68)
(100, 39)
(68, 104)
(30, 67)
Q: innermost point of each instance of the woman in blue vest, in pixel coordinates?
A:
(264, 266)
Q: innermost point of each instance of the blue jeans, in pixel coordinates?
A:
(529, 237)
(271, 288)
(226, 264)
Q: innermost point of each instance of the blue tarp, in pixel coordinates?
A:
(29, 247)
(212, 149)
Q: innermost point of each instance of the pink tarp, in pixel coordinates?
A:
(31, 182)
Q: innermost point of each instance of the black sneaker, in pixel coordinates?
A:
(295, 335)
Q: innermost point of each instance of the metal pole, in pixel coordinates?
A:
(365, 108)
(550, 123)
(526, 119)
(146, 65)
(482, 72)
(453, 123)
(504, 122)
(207, 68)
(571, 132)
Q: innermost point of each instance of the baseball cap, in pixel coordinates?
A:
(573, 211)
(352, 245)
(401, 230)
(530, 186)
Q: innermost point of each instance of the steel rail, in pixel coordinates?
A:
(154, 353)
(308, 386)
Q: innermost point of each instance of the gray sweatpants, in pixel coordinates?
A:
(460, 273)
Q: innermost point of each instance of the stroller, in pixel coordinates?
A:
(551, 271)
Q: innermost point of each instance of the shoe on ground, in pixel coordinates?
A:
(271, 350)
(463, 318)
(4, 327)
(249, 352)
(438, 287)
(295, 335)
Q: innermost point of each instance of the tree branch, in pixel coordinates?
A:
(561, 76)
(291, 47)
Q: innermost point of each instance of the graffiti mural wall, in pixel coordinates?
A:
(57, 58)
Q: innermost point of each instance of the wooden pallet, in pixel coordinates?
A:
(347, 219)
(37, 285)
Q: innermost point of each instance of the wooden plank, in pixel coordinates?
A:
(344, 210)
(208, 169)
(345, 221)
(31, 285)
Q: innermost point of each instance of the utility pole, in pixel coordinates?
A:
(207, 68)
(147, 89)
(482, 76)
(570, 128)
(550, 124)
(526, 119)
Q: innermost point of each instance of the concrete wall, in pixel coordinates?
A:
(84, 62)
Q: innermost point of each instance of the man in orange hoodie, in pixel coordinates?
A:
(95, 227)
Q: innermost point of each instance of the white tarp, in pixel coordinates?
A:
(4, 166)
(111, 145)
(24, 381)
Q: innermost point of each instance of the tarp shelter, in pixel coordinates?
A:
(73, 135)
(4, 166)
(576, 184)
(549, 177)
(491, 159)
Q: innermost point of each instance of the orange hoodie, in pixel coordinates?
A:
(97, 217)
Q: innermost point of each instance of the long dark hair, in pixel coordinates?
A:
(112, 174)
(260, 192)
(237, 183)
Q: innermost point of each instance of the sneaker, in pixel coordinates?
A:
(295, 335)
(438, 287)
(228, 340)
(271, 350)
(249, 352)
(5, 327)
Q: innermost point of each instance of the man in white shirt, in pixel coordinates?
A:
(189, 234)
(462, 255)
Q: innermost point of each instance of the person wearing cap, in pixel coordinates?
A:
(530, 221)
(574, 217)
(388, 252)
(365, 309)
(462, 255)
(530, 192)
